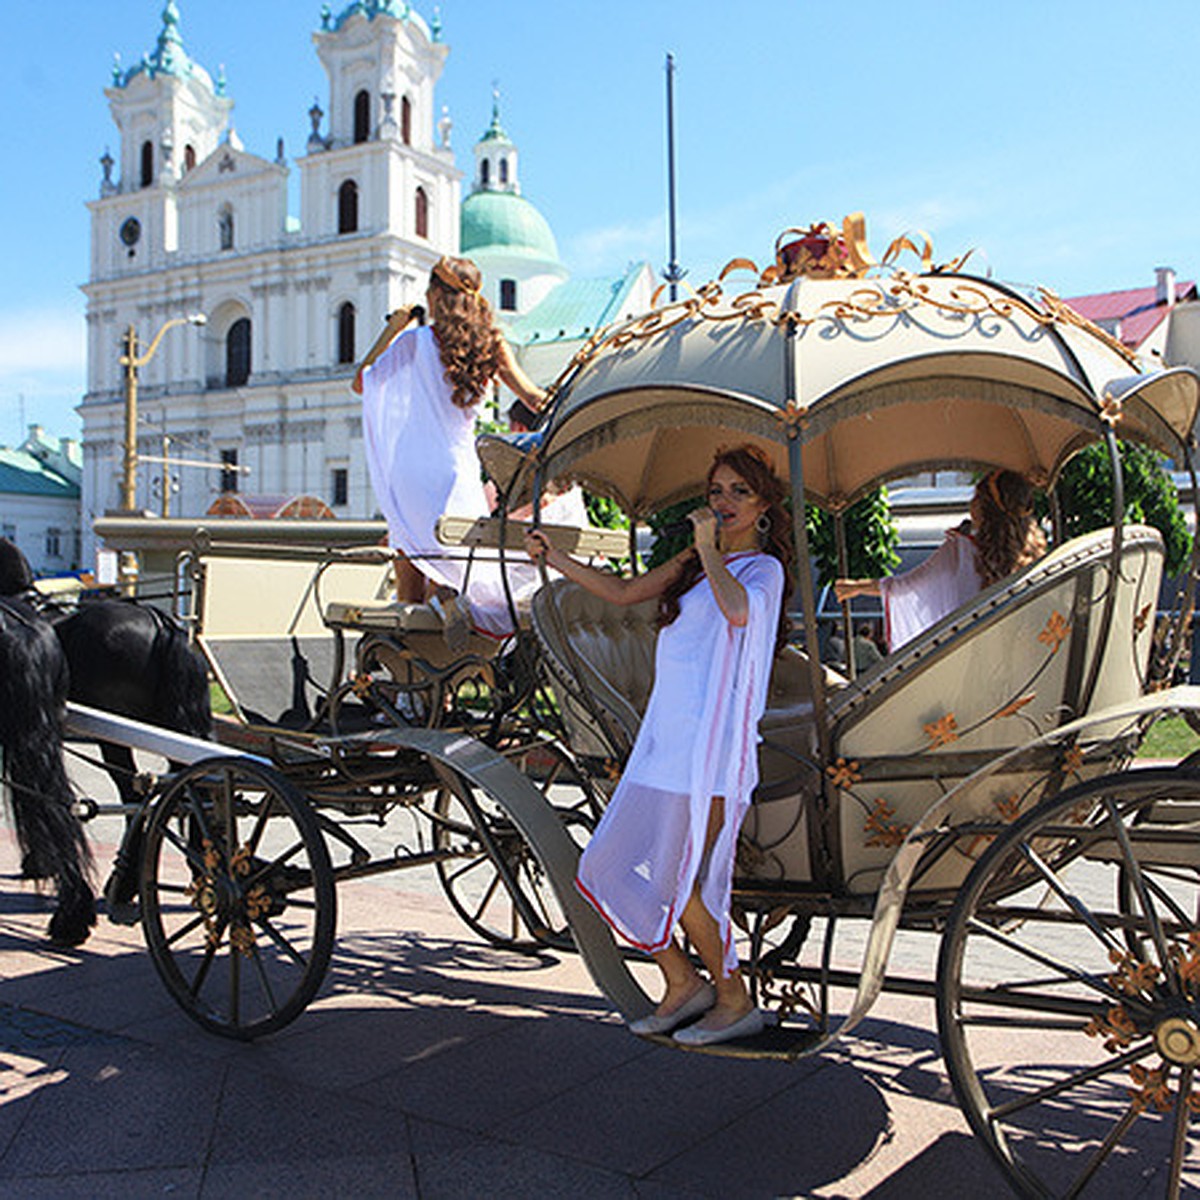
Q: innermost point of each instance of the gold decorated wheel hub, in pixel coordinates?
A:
(1178, 1041)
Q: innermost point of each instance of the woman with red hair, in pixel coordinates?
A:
(419, 406)
(663, 852)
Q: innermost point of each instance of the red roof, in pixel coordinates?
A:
(1136, 310)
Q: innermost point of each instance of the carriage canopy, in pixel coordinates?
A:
(877, 377)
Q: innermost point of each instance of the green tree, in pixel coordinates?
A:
(871, 537)
(1085, 490)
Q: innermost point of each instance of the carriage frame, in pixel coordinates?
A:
(974, 834)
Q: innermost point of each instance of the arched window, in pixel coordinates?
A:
(508, 295)
(406, 120)
(345, 323)
(485, 171)
(362, 116)
(189, 157)
(348, 207)
(225, 227)
(147, 163)
(237, 353)
(422, 213)
(504, 170)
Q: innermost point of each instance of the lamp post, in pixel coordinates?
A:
(132, 361)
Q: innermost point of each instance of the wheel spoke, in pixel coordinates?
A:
(260, 825)
(1121, 1062)
(487, 897)
(1111, 1142)
(480, 860)
(263, 979)
(235, 987)
(1131, 864)
(229, 798)
(1183, 1109)
(1070, 899)
(1065, 971)
(282, 942)
(184, 930)
(210, 953)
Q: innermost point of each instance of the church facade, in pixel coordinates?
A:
(195, 224)
(189, 222)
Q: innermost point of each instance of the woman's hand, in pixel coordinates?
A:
(538, 547)
(704, 528)
(847, 589)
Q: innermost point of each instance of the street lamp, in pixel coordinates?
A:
(132, 361)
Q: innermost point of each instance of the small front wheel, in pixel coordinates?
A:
(238, 901)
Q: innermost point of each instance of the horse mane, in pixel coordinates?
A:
(16, 575)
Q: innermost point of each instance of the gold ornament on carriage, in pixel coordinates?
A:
(881, 827)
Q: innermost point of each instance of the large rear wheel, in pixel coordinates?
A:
(238, 903)
(1069, 990)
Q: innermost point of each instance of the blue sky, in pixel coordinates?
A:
(1056, 137)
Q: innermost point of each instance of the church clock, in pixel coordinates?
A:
(131, 231)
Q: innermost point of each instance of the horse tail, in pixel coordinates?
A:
(182, 699)
(33, 690)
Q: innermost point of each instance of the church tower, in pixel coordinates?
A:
(505, 235)
(380, 168)
(169, 116)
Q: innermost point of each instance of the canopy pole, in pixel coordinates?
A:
(843, 557)
(1114, 567)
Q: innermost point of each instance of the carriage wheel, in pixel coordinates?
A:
(238, 903)
(1069, 1009)
(494, 881)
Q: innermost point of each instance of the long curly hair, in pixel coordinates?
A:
(755, 468)
(1006, 534)
(468, 341)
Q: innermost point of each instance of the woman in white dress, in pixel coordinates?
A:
(1001, 537)
(663, 853)
(419, 407)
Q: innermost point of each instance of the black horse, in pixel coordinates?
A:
(134, 661)
(33, 693)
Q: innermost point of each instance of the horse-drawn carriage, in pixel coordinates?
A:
(978, 784)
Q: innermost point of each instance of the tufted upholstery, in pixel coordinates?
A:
(606, 648)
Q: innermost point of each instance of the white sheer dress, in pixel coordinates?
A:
(914, 601)
(420, 449)
(698, 739)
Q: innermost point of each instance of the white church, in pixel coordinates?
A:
(194, 224)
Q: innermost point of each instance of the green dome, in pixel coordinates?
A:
(505, 221)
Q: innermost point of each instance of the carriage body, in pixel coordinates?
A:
(917, 792)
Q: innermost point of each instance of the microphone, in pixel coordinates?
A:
(680, 528)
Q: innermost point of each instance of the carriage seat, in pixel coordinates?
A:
(416, 626)
(1020, 657)
(598, 651)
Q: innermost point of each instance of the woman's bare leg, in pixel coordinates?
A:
(410, 583)
(682, 979)
(733, 1000)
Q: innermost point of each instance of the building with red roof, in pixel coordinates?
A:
(1137, 317)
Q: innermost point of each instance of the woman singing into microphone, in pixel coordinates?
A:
(663, 853)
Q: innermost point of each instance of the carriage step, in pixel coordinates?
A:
(787, 1043)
